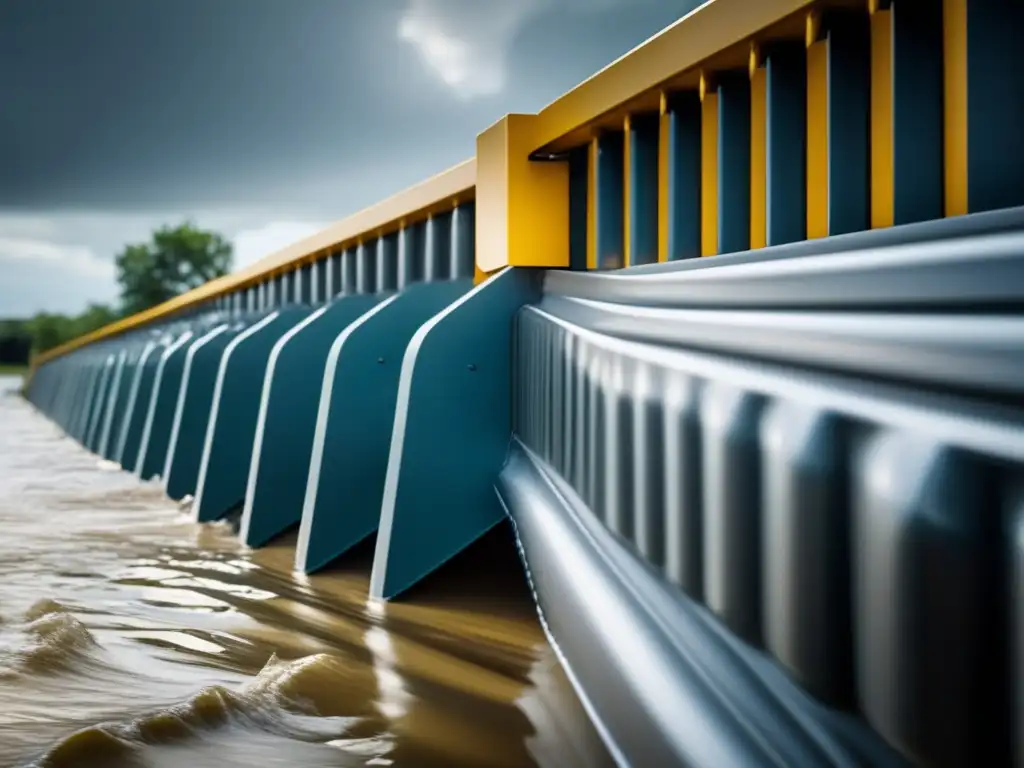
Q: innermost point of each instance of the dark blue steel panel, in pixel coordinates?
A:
(849, 126)
(610, 190)
(437, 256)
(160, 417)
(334, 284)
(305, 292)
(579, 172)
(463, 241)
(684, 118)
(995, 104)
(387, 262)
(98, 402)
(643, 189)
(786, 151)
(279, 467)
(350, 459)
(349, 270)
(119, 402)
(320, 295)
(451, 433)
(132, 434)
(366, 268)
(733, 163)
(917, 97)
(411, 252)
(186, 449)
(228, 446)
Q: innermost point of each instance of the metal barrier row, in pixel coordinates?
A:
(837, 483)
(805, 120)
(772, 495)
(742, 125)
(440, 247)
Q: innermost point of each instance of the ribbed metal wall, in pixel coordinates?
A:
(826, 451)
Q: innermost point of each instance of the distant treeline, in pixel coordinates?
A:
(19, 339)
(15, 344)
(176, 260)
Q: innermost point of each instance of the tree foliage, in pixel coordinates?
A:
(177, 259)
(49, 330)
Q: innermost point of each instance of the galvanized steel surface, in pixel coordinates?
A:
(831, 485)
(663, 681)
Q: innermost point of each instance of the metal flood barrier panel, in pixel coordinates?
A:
(783, 494)
(769, 503)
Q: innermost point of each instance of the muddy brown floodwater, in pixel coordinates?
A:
(131, 636)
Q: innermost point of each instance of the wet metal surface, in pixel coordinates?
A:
(853, 525)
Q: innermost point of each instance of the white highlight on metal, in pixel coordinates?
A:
(460, 253)
(133, 395)
(405, 258)
(179, 408)
(97, 410)
(322, 415)
(348, 271)
(154, 396)
(387, 512)
(329, 277)
(257, 440)
(218, 389)
(430, 256)
(314, 283)
(362, 270)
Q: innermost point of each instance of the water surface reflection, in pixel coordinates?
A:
(129, 636)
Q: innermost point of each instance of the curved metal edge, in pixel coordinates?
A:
(976, 425)
(663, 682)
(416, 203)
(981, 352)
(982, 270)
(454, 391)
(971, 225)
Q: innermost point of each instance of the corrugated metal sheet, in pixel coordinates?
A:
(834, 484)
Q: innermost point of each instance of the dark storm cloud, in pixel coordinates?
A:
(117, 101)
(262, 119)
(291, 103)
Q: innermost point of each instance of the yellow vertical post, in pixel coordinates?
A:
(708, 169)
(954, 26)
(522, 205)
(758, 151)
(817, 130)
(882, 193)
(592, 204)
(627, 189)
(664, 128)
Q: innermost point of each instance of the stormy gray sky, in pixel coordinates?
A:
(264, 119)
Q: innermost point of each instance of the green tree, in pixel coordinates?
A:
(177, 260)
(50, 330)
(95, 317)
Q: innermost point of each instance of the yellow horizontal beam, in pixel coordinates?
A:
(711, 36)
(682, 47)
(440, 192)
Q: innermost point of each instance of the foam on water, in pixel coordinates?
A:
(130, 637)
